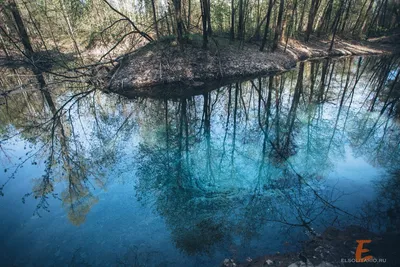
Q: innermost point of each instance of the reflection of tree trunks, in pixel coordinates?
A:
(167, 145)
(207, 131)
(277, 114)
(341, 103)
(312, 78)
(227, 124)
(293, 109)
(180, 140)
(383, 75)
(234, 126)
(323, 80)
(392, 88)
(329, 81)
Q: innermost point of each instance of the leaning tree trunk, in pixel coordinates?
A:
(23, 33)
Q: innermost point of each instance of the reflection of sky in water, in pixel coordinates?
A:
(236, 185)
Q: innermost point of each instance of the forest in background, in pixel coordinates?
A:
(108, 28)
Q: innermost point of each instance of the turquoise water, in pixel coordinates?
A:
(251, 168)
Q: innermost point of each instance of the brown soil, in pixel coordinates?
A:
(163, 66)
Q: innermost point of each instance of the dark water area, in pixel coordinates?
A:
(252, 168)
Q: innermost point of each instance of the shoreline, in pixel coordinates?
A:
(162, 70)
(333, 247)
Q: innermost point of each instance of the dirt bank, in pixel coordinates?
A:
(332, 248)
(162, 65)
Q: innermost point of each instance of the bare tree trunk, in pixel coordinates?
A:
(23, 34)
(278, 30)
(209, 29)
(346, 17)
(189, 14)
(153, 5)
(70, 30)
(311, 17)
(203, 4)
(303, 11)
(265, 37)
(326, 18)
(179, 26)
(360, 17)
(232, 34)
(240, 29)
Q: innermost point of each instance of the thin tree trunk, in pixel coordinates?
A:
(264, 41)
(311, 17)
(203, 4)
(241, 21)
(70, 30)
(232, 34)
(209, 29)
(189, 14)
(278, 30)
(179, 26)
(301, 22)
(153, 5)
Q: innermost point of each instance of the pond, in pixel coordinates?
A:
(249, 169)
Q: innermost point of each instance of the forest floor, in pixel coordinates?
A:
(331, 249)
(163, 65)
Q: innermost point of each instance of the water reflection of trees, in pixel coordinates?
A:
(54, 124)
(223, 164)
(253, 153)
